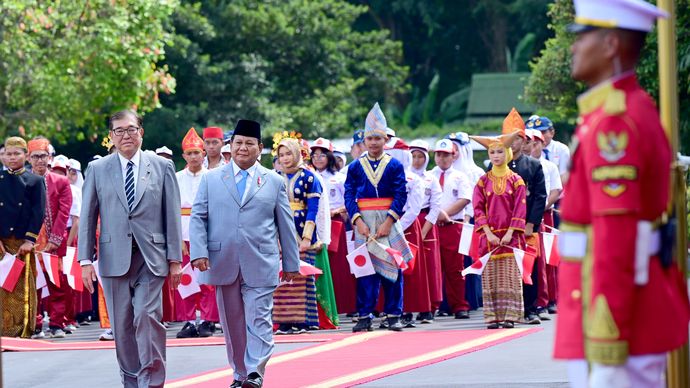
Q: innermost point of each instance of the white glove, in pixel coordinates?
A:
(609, 376)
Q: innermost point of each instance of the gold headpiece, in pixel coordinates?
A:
(279, 136)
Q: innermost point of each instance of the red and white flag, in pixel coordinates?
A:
(98, 274)
(306, 269)
(469, 241)
(478, 266)
(40, 276)
(10, 270)
(360, 262)
(525, 263)
(72, 269)
(188, 283)
(551, 249)
(50, 262)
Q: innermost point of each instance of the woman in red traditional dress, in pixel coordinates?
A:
(499, 212)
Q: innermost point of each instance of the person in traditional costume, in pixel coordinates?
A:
(188, 180)
(294, 305)
(213, 142)
(457, 193)
(22, 208)
(499, 212)
(51, 238)
(375, 195)
(431, 205)
(344, 284)
(416, 297)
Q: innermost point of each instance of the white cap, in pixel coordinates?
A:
(444, 145)
(635, 15)
(421, 144)
(164, 151)
(535, 134)
(60, 161)
(322, 143)
(390, 132)
(226, 148)
(74, 164)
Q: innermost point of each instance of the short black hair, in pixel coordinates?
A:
(122, 114)
(331, 167)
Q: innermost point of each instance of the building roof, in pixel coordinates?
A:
(492, 95)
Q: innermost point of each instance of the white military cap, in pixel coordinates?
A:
(635, 15)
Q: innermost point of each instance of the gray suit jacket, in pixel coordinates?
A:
(244, 237)
(154, 221)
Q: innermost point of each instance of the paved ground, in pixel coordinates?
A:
(524, 362)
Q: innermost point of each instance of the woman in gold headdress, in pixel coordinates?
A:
(499, 212)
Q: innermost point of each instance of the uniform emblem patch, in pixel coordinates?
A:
(612, 146)
(427, 191)
(332, 192)
(455, 192)
(614, 189)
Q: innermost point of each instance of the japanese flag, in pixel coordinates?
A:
(10, 270)
(525, 262)
(360, 262)
(188, 283)
(468, 241)
(478, 266)
(71, 268)
(52, 266)
(551, 249)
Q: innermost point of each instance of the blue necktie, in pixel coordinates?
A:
(546, 154)
(242, 183)
(129, 184)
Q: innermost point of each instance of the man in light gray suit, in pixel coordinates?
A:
(135, 195)
(240, 214)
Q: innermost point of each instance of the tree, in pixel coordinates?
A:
(551, 88)
(66, 65)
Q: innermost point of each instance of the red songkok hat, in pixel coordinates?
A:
(213, 133)
(39, 145)
(192, 141)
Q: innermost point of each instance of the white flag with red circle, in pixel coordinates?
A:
(188, 283)
(360, 262)
(478, 266)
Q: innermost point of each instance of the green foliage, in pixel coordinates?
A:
(551, 88)
(67, 64)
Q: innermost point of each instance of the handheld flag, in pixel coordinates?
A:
(525, 263)
(469, 241)
(360, 262)
(478, 266)
(188, 284)
(306, 269)
(40, 276)
(551, 249)
(71, 268)
(414, 250)
(10, 270)
(52, 266)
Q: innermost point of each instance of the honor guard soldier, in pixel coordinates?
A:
(615, 262)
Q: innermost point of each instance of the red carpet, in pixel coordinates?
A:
(362, 357)
(29, 345)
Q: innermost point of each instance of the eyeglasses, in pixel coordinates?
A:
(119, 132)
(39, 157)
(318, 156)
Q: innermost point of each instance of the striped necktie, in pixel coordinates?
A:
(129, 184)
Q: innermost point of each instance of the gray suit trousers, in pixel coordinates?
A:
(245, 314)
(135, 309)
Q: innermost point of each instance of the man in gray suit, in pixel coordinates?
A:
(135, 195)
(240, 214)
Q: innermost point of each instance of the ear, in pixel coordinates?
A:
(611, 44)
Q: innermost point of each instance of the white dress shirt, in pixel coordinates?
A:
(136, 159)
(559, 154)
(415, 199)
(456, 186)
(335, 187)
(552, 179)
(75, 210)
(188, 182)
(432, 195)
(238, 176)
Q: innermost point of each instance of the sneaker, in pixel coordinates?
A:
(299, 329)
(407, 321)
(284, 329)
(508, 325)
(394, 324)
(71, 328)
(84, 323)
(384, 324)
(355, 319)
(425, 318)
(493, 325)
(551, 308)
(532, 319)
(38, 334)
(206, 329)
(543, 314)
(441, 313)
(107, 335)
(313, 328)
(188, 331)
(218, 326)
(364, 324)
(57, 333)
(462, 315)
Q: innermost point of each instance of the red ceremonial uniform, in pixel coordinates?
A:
(619, 176)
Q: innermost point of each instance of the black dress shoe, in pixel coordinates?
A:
(462, 315)
(188, 331)
(364, 324)
(206, 329)
(254, 380)
(394, 324)
(236, 384)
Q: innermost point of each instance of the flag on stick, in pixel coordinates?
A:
(551, 249)
(478, 266)
(525, 263)
(360, 262)
(10, 270)
(188, 283)
(51, 263)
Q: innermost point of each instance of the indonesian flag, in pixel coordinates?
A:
(71, 268)
(306, 269)
(413, 250)
(10, 270)
(188, 283)
(360, 262)
(98, 274)
(469, 241)
(525, 263)
(50, 262)
(551, 249)
(40, 276)
(478, 266)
